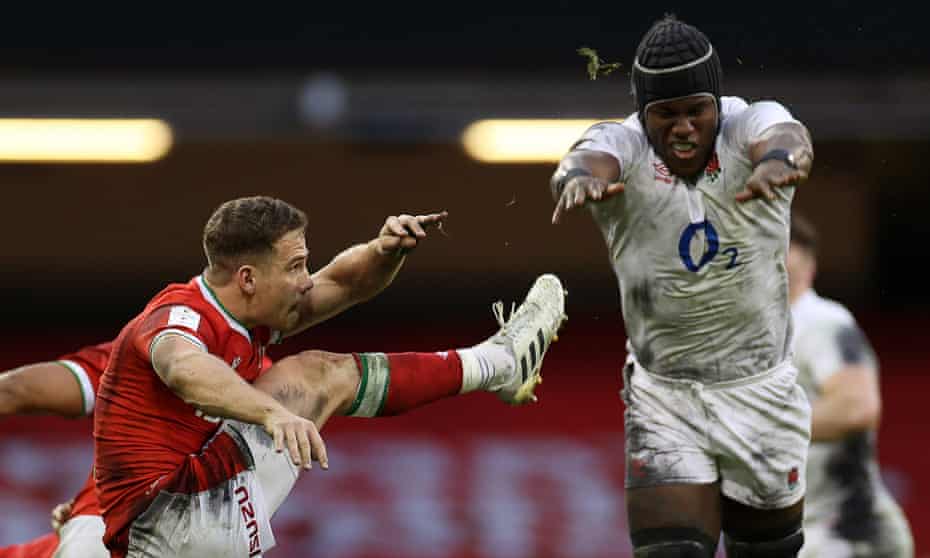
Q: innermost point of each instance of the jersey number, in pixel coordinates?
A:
(711, 247)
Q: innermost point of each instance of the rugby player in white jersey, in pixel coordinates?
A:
(692, 194)
(848, 512)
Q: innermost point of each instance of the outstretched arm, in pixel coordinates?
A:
(41, 388)
(583, 176)
(362, 271)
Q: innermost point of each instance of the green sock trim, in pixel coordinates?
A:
(361, 386)
(384, 390)
(373, 389)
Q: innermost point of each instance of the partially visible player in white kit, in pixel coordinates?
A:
(848, 512)
(692, 194)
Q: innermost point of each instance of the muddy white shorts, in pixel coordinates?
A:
(82, 537)
(198, 516)
(750, 434)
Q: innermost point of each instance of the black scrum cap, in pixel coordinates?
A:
(674, 60)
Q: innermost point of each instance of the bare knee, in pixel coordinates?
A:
(333, 376)
(312, 384)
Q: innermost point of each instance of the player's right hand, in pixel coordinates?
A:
(402, 233)
(299, 436)
(582, 189)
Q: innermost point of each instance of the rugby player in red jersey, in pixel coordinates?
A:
(172, 476)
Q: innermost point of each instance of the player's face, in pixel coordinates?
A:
(683, 131)
(286, 280)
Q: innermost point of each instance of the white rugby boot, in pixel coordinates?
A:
(526, 335)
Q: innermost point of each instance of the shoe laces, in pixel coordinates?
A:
(498, 309)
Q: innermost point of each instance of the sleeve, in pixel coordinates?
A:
(830, 346)
(86, 380)
(625, 142)
(173, 319)
(732, 105)
(747, 125)
(87, 365)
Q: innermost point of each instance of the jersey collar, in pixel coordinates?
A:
(211, 297)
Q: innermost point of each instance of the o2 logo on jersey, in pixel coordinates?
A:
(711, 247)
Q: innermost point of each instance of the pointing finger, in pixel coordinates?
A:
(432, 219)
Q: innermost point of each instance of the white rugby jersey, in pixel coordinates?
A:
(843, 482)
(702, 277)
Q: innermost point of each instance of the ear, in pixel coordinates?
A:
(246, 279)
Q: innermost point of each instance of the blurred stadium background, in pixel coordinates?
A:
(354, 117)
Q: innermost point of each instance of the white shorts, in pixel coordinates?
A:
(229, 520)
(750, 434)
(890, 538)
(82, 537)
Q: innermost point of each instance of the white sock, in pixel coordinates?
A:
(483, 364)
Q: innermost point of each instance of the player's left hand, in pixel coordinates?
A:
(768, 176)
(61, 514)
(401, 234)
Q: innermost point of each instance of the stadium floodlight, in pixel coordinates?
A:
(523, 140)
(84, 140)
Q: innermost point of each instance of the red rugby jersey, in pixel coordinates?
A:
(142, 430)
